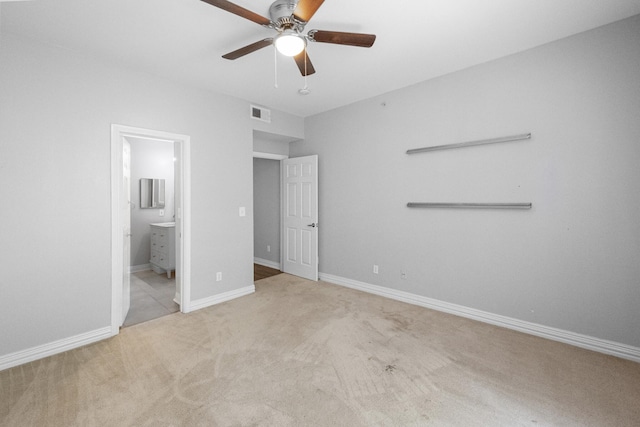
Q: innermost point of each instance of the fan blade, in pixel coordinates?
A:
(337, 37)
(300, 60)
(240, 11)
(248, 49)
(306, 9)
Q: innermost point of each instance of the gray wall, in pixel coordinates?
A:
(271, 146)
(572, 261)
(282, 125)
(56, 111)
(149, 159)
(266, 209)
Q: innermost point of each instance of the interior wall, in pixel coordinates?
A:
(270, 146)
(571, 262)
(56, 112)
(281, 125)
(149, 159)
(266, 210)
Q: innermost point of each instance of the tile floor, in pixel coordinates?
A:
(151, 297)
(152, 294)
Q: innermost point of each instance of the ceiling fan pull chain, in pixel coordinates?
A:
(305, 67)
(275, 67)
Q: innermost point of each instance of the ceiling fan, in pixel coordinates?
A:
(288, 18)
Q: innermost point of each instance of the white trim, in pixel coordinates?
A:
(266, 263)
(584, 341)
(117, 264)
(185, 241)
(138, 268)
(223, 297)
(56, 347)
(270, 156)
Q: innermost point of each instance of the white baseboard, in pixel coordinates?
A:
(267, 263)
(137, 268)
(220, 298)
(66, 344)
(56, 347)
(584, 341)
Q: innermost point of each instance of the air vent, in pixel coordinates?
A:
(260, 113)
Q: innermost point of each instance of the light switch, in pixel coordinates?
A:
(242, 211)
(161, 212)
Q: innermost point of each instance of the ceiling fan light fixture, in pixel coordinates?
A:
(290, 43)
(288, 18)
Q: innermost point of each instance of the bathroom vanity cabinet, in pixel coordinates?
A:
(163, 247)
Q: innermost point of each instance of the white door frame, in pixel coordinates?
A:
(183, 215)
(270, 156)
(125, 233)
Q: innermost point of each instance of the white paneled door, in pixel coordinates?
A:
(300, 216)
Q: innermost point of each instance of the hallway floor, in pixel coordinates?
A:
(151, 297)
(262, 272)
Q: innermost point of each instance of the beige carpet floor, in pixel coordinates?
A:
(299, 353)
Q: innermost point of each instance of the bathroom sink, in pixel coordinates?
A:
(164, 224)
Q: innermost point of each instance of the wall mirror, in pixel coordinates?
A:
(151, 193)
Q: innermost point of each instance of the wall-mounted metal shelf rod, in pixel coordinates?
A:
(471, 143)
(471, 205)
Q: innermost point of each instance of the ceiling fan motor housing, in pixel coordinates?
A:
(281, 13)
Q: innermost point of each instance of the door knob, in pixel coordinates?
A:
(313, 224)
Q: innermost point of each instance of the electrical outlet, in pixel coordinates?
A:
(375, 269)
(268, 248)
(403, 275)
(161, 212)
(242, 211)
(218, 276)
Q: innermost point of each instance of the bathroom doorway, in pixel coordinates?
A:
(153, 290)
(175, 216)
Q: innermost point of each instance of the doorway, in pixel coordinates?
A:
(266, 213)
(296, 205)
(153, 291)
(121, 136)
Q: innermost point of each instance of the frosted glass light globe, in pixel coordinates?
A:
(289, 44)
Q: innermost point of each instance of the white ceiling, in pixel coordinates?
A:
(417, 40)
